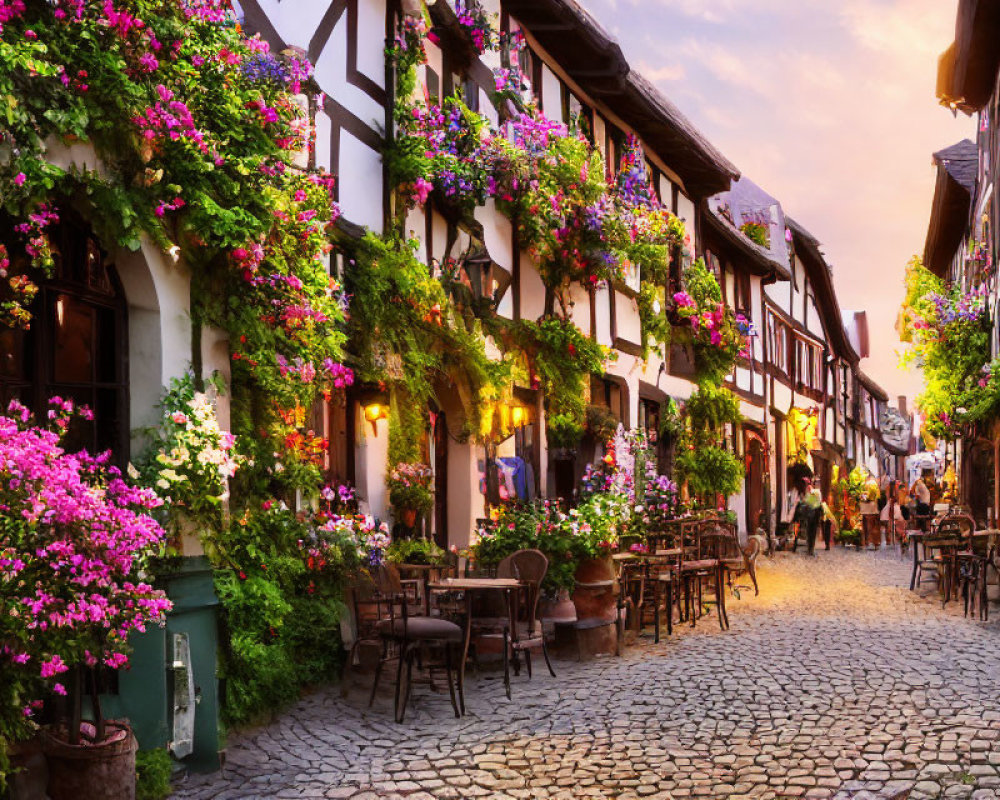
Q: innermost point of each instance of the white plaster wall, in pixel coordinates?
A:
(674, 386)
(813, 323)
(465, 501)
(743, 379)
(782, 399)
(532, 289)
(551, 94)
(439, 230)
(628, 325)
(497, 234)
(599, 133)
(752, 412)
(757, 318)
(602, 304)
(324, 139)
(581, 308)
(360, 182)
(371, 457)
(296, 25)
(685, 210)
(371, 40)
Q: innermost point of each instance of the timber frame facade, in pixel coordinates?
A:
(800, 358)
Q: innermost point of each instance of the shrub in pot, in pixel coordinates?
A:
(74, 539)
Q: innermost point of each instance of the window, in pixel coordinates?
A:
(433, 87)
(742, 294)
(77, 344)
(778, 343)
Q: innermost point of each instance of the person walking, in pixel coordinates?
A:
(808, 513)
(922, 494)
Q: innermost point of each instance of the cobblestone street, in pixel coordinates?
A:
(835, 682)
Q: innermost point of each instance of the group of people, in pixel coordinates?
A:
(807, 509)
(919, 499)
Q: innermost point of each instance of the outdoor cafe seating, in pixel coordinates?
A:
(957, 558)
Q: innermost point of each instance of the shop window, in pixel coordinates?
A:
(77, 344)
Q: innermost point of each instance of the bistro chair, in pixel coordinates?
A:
(365, 608)
(705, 568)
(403, 636)
(937, 560)
(529, 567)
(972, 565)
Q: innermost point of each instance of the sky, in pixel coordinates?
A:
(828, 106)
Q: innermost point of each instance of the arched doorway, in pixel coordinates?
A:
(77, 343)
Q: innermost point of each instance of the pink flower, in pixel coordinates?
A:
(58, 688)
(19, 179)
(53, 667)
(179, 417)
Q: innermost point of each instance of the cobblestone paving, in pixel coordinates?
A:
(837, 682)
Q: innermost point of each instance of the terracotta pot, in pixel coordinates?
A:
(595, 596)
(104, 771)
(29, 774)
(558, 609)
(409, 516)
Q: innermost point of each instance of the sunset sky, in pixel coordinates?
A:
(830, 107)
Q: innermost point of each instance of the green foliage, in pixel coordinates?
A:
(407, 334)
(280, 583)
(757, 233)
(949, 333)
(709, 470)
(717, 334)
(601, 422)
(152, 774)
(588, 531)
(562, 359)
(702, 458)
(416, 551)
(672, 421)
(212, 185)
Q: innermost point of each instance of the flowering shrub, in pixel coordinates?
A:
(280, 582)
(192, 459)
(948, 331)
(74, 537)
(409, 487)
(475, 21)
(197, 127)
(565, 538)
(717, 333)
(757, 232)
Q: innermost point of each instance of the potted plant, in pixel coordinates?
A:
(420, 552)
(410, 491)
(595, 526)
(73, 544)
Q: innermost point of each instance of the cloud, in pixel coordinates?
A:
(664, 73)
(830, 108)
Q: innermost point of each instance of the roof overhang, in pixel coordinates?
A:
(755, 257)
(593, 60)
(967, 70)
(873, 388)
(949, 218)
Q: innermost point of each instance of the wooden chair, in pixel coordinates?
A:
(705, 569)
(529, 567)
(938, 559)
(403, 636)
